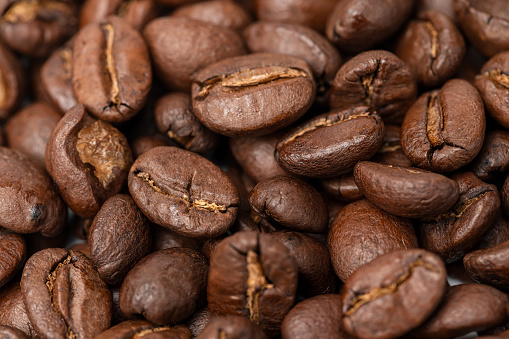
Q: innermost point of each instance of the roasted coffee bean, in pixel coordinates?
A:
(231, 327)
(12, 82)
(64, 295)
(432, 47)
(455, 232)
(29, 130)
(7, 332)
(444, 129)
(404, 191)
(183, 192)
(362, 232)
(504, 195)
(493, 159)
(444, 6)
(316, 317)
(180, 47)
(390, 153)
(253, 94)
(117, 316)
(119, 237)
(316, 275)
(300, 12)
(254, 276)
(225, 13)
(343, 188)
(291, 203)
(166, 286)
(493, 84)
(36, 27)
(83, 248)
(484, 23)
(497, 233)
(163, 238)
(142, 144)
(358, 25)
(30, 203)
(174, 117)
(137, 13)
(383, 299)
(198, 321)
(465, 308)
(375, 78)
(332, 143)
(88, 159)
(14, 313)
(111, 69)
(13, 252)
(489, 266)
(133, 329)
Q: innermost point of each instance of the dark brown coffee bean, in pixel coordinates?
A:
(291, 203)
(231, 327)
(504, 196)
(254, 276)
(484, 23)
(390, 153)
(137, 13)
(497, 233)
(163, 238)
(383, 299)
(134, 329)
(493, 159)
(183, 192)
(489, 266)
(253, 94)
(12, 82)
(316, 317)
(29, 130)
(432, 47)
(13, 252)
(36, 27)
(225, 13)
(465, 308)
(64, 295)
(444, 6)
(14, 313)
(316, 275)
(358, 25)
(343, 188)
(362, 232)
(455, 232)
(166, 286)
(404, 191)
(88, 159)
(180, 47)
(493, 84)
(375, 78)
(174, 117)
(119, 237)
(142, 144)
(83, 247)
(198, 321)
(7, 332)
(332, 143)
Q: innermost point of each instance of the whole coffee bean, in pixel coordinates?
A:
(7, 332)
(225, 13)
(455, 232)
(119, 237)
(314, 318)
(231, 327)
(198, 321)
(484, 23)
(312, 14)
(254, 276)
(133, 329)
(406, 192)
(291, 203)
(64, 295)
(362, 232)
(493, 84)
(29, 130)
(489, 266)
(383, 299)
(180, 47)
(375, 78)
(497, 233)
(12, 82)
(465, 308)
(183, 192)
(493, 159)
(83, 247)
(88, 159)
(358, 25)
(13, 252)
(390, 153)
(166, 286)
(253, 94)
(174, 117)
(332, 143)
(137, 13)
(163, 238)
(432, 47)
(111, 73)
(444, 129)
(343, 188)
(14, 313)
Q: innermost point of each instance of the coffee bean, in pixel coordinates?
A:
(141, 328)
(383, 299)
(390, 153)
(504, 195)
(111, 73)
(497, 233)
(7, 332)
(375, 78)
(198, 321)
(343, 188)
(137, 13)
(142, 144)
(253, 94)
(231, 326)
(493, 159)
(165, 286)
(14, 313)
(332, 143)
(64, 295)
(163, 238)
(444, 6)
(13, 252)
(489, 266)
(12, 82)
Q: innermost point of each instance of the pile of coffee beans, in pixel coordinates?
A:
(254, 169)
